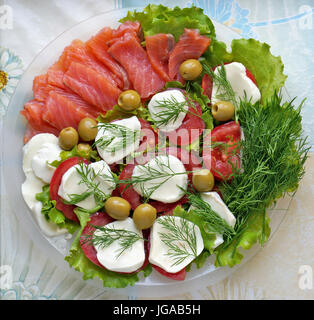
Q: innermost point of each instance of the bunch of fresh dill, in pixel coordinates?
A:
(273, 155)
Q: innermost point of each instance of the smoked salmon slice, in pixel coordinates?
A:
(33, 113)
(191, 45)
(91, 86)
(158, 49)
(133, 57)
(42, 87)
(98, 45)
(63, 109)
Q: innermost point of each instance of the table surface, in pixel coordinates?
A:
(283, 269)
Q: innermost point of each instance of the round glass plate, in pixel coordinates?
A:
(57, 247)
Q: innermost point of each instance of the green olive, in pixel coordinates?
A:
(87, 129)
(223, 110)
(190, 69)
(129, 100)
(144, 216)
(117, 208)
(84, 148)
(68, 138)
(203, 180)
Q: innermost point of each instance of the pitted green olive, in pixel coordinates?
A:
(117, 208)
(129, 100)
(84, 148)
(223, 110)
(68, 138)
(190, 69)
(203, 180)
(87, 129)
(144, 216)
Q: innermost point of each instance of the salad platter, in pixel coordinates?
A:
(150, 145)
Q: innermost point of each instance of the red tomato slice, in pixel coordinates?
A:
(55, 184)
(128, 193)
(101, 219)
(221, 160)
(207, 85)
(191, 128)
(179, 276)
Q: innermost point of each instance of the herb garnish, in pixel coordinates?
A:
(179, 238)
(117, 137)
(147, 173)
(171, 109)
(108, 235)
(214, 222)
(225, 91)
(90, 179)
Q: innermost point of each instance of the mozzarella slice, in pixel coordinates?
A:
(45, 155)
(166, 185)
(217, 205)
(71, 183)
(112, 157)
(131, 259)
(31, 148)
(155, 109)
(33, 184)
(240, 83)
(160, 253)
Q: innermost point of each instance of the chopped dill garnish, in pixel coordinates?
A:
(117, 137)
(179, 238)
(108, 235)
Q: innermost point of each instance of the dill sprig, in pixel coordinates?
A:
(171, 109)
(89, 179)
(225, 91)
(273, 156)
(213, 221)
(117, 137)
(179, 238)
(157, 176)
(105, 236)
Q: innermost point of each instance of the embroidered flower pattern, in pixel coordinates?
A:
(11, 69)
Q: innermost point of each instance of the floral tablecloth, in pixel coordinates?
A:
(283, 269)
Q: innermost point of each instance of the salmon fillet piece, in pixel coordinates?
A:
(63, 109)
(33, 112)
(91, 86)
(158, 49)
(133, 57)
(191, 45)
(98, 46)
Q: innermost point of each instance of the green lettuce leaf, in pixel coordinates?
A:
(118, 113)
(92, 155)
(256, 57)
(81, 263)
(257, 230)
(208, 237)
(160, 19)
(51, 213)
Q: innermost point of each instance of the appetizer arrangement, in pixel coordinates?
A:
(156, 147)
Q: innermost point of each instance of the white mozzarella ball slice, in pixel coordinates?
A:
(241, 84)
(157, 110)
(217, 205)
(165, 176)
(106, 151)
(131, 259)
(48, 153)
(99, 174)
(162, 255)
(33, 145)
